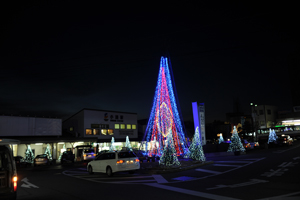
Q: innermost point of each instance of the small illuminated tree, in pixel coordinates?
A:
(236, 144)
(169, 155)
(29, 157)
(221, 139)
(64, 147)
(112, 145)
(195, 149)
(272, 136)
(48, 152)
(153, 148)
(128, 145)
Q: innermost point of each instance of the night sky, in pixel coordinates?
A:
(57, 58)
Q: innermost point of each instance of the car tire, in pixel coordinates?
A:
(90, 170)
(109, 171)
(131, 172)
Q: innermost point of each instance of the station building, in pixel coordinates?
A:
(88, 128)
(101, 125)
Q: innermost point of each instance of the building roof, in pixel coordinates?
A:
(98, 110)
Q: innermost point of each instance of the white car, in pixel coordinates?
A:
(112, 162)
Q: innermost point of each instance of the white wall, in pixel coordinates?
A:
(29, 126)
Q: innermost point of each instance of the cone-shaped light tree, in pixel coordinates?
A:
(128, 145)
(164, 114)
(112, 145)
(236, 144)
(48, 152)
(221, 139)
(272, 136)
(196, 149)
(29, 157)
(169, 155)
(64, 147)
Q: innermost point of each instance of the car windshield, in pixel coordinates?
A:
(126, 154)
(42, 156)
(88, 151)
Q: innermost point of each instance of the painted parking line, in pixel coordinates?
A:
(114, 180)
(232, 161)
(190, 192)
(224, 165)
(159, 179)
(290, 196)
(208, 171)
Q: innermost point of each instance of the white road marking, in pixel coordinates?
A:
(136, 181)
(251, 182)
(190, 192)
(283, 197)
(278, 172)
(288, 164)
(27, 184)
(159, 179)
(232, 161)
(208, 171)
(296, 158)
(223, 165)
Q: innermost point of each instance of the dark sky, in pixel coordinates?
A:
(57, 58)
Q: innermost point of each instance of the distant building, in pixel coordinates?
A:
(102, 125)
(264, 116)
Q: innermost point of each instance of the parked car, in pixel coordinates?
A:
(112, 162)
(246, 144)
(67, 156)
(88, 154)
(254, 145)
(19, 160)
(285, 140)
(42, 159)
(8, 171)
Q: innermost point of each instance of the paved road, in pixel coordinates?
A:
(259, 174)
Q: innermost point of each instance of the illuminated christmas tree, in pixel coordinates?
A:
(164, 114)
(272, 136)
(221, 139)
(29, 157)
(153, 148)
(169, 155)
(196, 150)
(236, 144)
(128, 144)
(64, 147)
(112, 145)
(48, 152)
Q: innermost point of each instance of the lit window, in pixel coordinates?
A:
(117, 126)
(104, 131)
(88, 131)
(96, 131)
(122, 126)
(110, 131)
(128, 126)
(133, 126)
